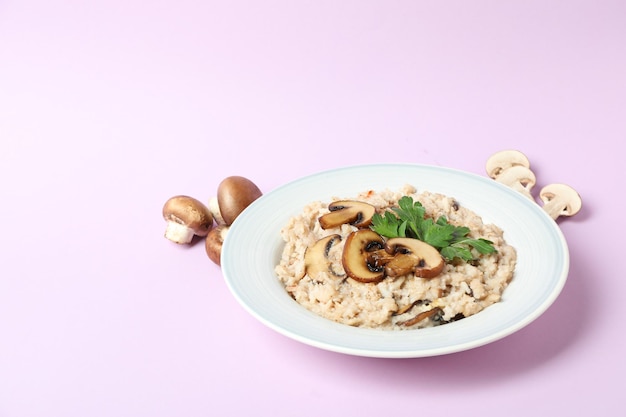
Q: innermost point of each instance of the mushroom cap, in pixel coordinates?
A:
(503, 160)
(189, 212)
(562, 194)
(214, 241)
(234, 195)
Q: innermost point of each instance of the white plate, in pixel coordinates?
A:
(253, 247)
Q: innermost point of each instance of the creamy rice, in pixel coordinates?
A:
(461, 290)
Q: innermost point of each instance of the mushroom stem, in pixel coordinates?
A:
(555, 208)
(214, 208)
(178, 233)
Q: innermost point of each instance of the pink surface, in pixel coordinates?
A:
(107, 108)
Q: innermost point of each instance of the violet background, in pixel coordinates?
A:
(108, 108)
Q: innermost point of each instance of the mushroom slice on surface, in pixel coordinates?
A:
(186, 217)
(519, 178)
(413, 256)
(355, 213)
(503, 160)
(358, 248)
(560, 200)
(316, 258)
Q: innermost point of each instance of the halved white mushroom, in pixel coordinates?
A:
(355, 213)
(519, 178)
(186, 217)
(512, 168)
(560, 200)
(503, 160)
(316, 257)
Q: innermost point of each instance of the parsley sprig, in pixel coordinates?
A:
(408, 220)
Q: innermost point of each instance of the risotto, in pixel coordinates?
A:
(406, 301)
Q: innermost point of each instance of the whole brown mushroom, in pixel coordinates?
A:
(186, 217)
(234, 194)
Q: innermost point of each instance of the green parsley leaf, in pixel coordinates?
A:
(387, 225)
(408, 220)
(483, 246)
(451, 252)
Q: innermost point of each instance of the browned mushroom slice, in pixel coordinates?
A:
(413, 256)
(316, 258)
(356, 253)
(421, 316)
(408, 307)
(356, 213)
(404, 309)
